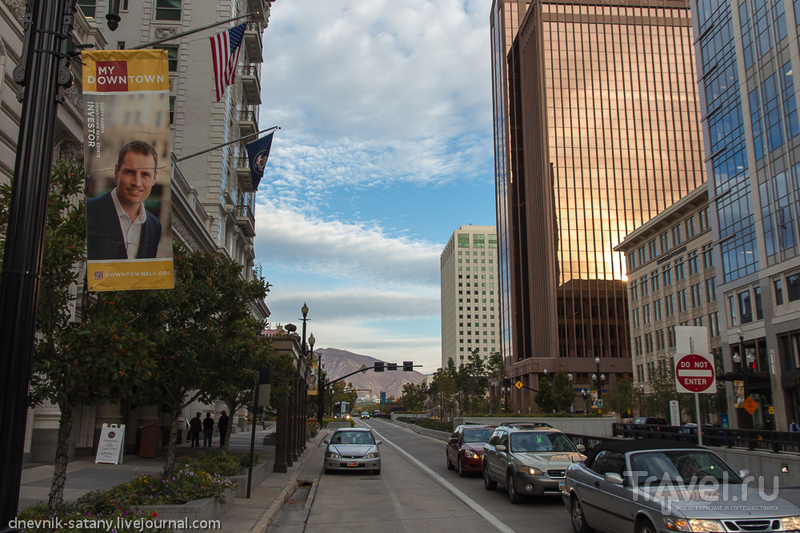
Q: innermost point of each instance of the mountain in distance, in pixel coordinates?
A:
(338, 363)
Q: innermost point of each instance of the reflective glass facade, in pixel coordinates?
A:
(603, 134)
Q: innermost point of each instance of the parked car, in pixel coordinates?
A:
(528, 461)
(353, 449)
(650, 421)
(644, 427)
(464, 448)
(650, 486)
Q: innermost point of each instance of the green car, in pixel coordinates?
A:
(528, 461)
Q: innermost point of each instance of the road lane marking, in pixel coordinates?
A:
(489, 517)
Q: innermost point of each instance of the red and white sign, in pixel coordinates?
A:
(695, 373)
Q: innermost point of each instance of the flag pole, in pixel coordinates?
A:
(227, 143)
(185, 33)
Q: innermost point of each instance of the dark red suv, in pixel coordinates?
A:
(465, 448)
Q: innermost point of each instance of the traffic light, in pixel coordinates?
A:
(408, 366)
(391, 367)
(378, 366)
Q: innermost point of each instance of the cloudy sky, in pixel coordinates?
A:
(385, 148)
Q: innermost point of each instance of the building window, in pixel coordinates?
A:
(759, 309)
(171, 109)
(651, 249)
(663, 241)
(697, 299)
(89, 8)
(708, 256)
(745, 307)
(168, 10)
(172, 57)
(682, 307)
(655, 281)
(676, 235)
(478, 241)
(693, 263)
(777, 284)
(680, 273)
(704, 219)
(463, 240)
(690, 232)
(645, 287)
(711, 289)
(732, 309)
(793, 286)
(667, 276)
(492, 242)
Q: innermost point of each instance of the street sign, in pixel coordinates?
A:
(518, 384)
(750, 405)
(674, 413)
(695, 373)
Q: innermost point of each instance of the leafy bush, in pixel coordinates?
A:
(438, 425)
(86, 516)
(215, 463)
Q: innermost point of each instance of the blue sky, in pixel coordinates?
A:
(385, 149)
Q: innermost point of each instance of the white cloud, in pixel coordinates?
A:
(363, 254)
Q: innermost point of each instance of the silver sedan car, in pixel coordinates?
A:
(353, 449)
(656, 486)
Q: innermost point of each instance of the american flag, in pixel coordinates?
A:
(225, 48)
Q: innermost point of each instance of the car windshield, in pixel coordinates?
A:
(540, 442)
(477, 435)
(679, 467)
(352, 437)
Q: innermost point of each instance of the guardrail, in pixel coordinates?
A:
(751, 439)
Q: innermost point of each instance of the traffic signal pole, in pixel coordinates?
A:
(44, 67)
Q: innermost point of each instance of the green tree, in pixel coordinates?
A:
(192, 325)
(245, 354)
(443, 390)
(544, 397)
(496, 371)
(563, 392)
(662, 390)
(90, 359)
(413, 398)
(621, 398)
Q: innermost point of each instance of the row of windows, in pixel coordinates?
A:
(645, 285)
(664, 338)
(168, 10)
(745, 304)
(478, 240)
(669, 239)
(653, 312)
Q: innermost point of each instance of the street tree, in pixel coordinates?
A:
(563, 392)
(621, 397)
(246, 353)
(544, 398)
(196, 322)
(413, 398)
(89, 358)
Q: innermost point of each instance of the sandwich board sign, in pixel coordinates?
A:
(110, 449)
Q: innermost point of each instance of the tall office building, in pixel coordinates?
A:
(596, 131)
(746, 54)
(470, 316)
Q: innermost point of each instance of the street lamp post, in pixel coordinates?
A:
(320, 384)
(304, 310)
(599, 386)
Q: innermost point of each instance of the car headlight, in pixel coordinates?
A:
(373, 455)
(790, 523)
(471, 455)
(332, 455)
(531, 470)
(684, 524)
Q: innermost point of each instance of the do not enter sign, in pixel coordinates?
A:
(695, 373)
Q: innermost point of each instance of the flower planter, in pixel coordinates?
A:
(186, 514)
(259, 475)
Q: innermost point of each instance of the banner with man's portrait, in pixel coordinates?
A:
(127, 157)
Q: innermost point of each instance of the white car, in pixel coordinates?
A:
(353, 449)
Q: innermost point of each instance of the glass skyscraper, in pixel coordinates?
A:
(597, 130)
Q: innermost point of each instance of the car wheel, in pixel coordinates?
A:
(327, 471)
(579, 524)
(511, 489)
(487, 482)
(461, 469)
(646, 526)
(449, 464)
(377, 472)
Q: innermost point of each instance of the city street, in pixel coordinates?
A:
(416, 492)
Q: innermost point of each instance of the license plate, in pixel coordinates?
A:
(352, 463)
(560, 485)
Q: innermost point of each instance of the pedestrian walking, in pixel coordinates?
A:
(222, 424)
(793, 427)
(208, 430)
(195, 426)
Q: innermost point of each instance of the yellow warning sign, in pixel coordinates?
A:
(518, 385)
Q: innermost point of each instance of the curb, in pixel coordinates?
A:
(269, 516)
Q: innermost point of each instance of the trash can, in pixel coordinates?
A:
(148, 442)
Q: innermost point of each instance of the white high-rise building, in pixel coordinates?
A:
(470, 313)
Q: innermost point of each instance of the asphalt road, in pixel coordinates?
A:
(415, 492)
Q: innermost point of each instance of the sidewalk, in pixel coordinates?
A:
(253, 515)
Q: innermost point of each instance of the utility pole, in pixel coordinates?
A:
(42, 72)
